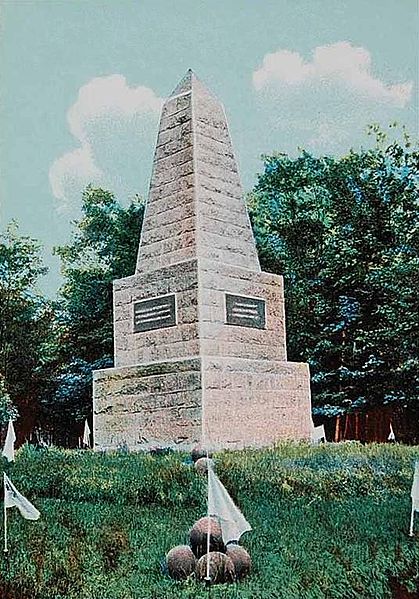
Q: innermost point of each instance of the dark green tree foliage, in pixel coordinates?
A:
(7, 409)
(103, 248)
(345, 234)
(26, 325)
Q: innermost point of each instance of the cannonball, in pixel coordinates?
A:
(199, 452)
(221, 568)
(201, 465)
(198, 536)
(180, 562)
(240, 558)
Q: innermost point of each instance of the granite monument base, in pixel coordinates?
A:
(233, 403)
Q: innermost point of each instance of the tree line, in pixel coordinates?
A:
(344, 232)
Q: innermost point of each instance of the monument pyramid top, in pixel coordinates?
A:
(191, 83)
(185, 84)
(195, 207)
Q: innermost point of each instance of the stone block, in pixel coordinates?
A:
(141, 407)
(251, 402)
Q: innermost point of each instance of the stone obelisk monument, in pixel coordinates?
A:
(200, 351)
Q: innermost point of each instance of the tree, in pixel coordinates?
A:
(103, 248)
(26, 321)
(7, 409)
(344, 232)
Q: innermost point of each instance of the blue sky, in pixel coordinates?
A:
(83, 81)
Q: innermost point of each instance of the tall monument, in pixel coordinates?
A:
(200, 353)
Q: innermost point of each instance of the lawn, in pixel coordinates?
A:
(328, 522)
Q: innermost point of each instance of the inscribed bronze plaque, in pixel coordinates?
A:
(245, 311)
(155, 313)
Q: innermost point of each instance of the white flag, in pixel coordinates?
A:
(233, 523)
(86, 434)
(392, 436)
(12, 498)
(415, 489)
(317, 434)
(9, 445)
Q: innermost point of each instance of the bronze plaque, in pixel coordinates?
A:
(245, 311)
(155, 313)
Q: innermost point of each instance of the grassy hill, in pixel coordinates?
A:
(328, 522)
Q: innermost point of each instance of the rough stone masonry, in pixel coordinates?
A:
(200, 353)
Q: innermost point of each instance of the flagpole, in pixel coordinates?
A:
(206, 441)
(207, 578)
(5, 550)
(412, 517)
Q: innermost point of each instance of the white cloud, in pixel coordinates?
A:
(72, 172)
(325, 104)
(109, 97)
(113, 123)
(340, 63)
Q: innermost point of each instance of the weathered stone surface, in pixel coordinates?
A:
(254, 402)
(141, 407)
(163, 343)
(193, 140)
(204, 376)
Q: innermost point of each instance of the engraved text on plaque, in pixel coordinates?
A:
(245, 311)
(155, 313)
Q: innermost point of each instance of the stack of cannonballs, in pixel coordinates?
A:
(226, 563)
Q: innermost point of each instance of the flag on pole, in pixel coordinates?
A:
(86, 434)
(317, 434)
(392, 436)
(12, 498)
(415, 489)
(233, 523)
(9, 445)
(415, 497)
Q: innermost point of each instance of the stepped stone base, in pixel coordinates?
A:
(233, 403)
(151, 405)
(254, 403)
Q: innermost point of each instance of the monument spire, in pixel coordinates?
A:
(195, 206)
(184, 85)
(199, 328)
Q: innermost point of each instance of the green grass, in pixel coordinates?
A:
(328, 522)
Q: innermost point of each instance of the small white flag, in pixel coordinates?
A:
(317, 434)
(9, 445)
(233, 523)
(392, 436)
(13, 498)
(415, 489)
(415, 497)
(86, 434)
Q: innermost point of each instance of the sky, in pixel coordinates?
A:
(83, 81)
